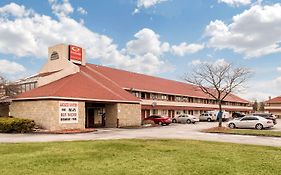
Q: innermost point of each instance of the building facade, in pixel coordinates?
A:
(273, 105)
(68, 93)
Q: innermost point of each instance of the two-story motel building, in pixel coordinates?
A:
(67, 93)
(273, 105)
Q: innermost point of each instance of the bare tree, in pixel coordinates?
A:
(218, 81)
(8, 89)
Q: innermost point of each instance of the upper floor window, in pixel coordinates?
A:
(164, 97)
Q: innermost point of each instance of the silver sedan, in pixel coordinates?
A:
(185, 118)
(256, 122)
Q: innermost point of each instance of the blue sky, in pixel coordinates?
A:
(165, 38)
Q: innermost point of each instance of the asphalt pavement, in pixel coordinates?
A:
(173, 131)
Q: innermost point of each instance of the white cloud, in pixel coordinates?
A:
(10, 68)
(82, 11)
(135, 11)
(147, 41)
(236, 3)
(196, 62)
(14, 10)
(219, 62)
(278, 69)
(184, 48)
(61, 8)
(31, 34)
(148, 3)
(254, 33)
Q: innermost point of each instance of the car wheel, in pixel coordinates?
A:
(160, 123)
(259, 126)
(188, 121)
(231, 125)
(209, 120)
(174, 121)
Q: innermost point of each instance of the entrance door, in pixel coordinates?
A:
(171, 113)
(90, 118)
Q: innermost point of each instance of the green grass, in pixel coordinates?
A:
(116, 157)
(253, 132)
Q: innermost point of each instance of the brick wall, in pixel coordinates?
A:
(45, 113)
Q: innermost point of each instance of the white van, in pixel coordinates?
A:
(212, 116)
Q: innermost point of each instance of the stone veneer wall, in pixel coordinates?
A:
(111, 113)
(128, 114)
(45, 113)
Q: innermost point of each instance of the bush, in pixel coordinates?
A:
(8, 125)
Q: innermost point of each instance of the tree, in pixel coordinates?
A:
(8, 89)
(218, 80)
(255, 106)
(261, 106)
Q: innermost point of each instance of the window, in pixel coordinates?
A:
(178, 98)
(164, 97)
(142, 95)
(154, 96)
(245, 119)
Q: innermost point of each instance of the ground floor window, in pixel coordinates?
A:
(154, 111)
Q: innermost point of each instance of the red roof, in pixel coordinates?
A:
(274, 100)
(131, 80)
(102, 83)
(84, 85)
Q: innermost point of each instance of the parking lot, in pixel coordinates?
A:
(173, 131)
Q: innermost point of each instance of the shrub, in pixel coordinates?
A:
(18, 125)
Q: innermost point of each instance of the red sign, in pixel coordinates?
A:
(75, 54)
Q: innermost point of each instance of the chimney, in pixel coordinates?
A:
(269, 98)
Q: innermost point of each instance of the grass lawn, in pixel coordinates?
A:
(253, 132)
(145, 157)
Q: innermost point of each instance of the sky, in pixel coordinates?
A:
(165, 38)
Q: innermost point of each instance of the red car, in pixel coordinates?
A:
(158, 119)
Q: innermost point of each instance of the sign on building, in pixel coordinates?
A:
(75, 54)
(68, 112)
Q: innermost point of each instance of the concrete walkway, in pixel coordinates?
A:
(174, 131)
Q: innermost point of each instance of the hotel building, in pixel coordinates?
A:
(69, 93)
(273, 105)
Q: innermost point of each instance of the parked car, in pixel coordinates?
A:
(185, 118)
(213, 116)
(237, 115)
(267, 116)
(251, 121)
(158, 119)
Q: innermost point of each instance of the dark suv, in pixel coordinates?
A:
(267, 116)
(237, 115)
